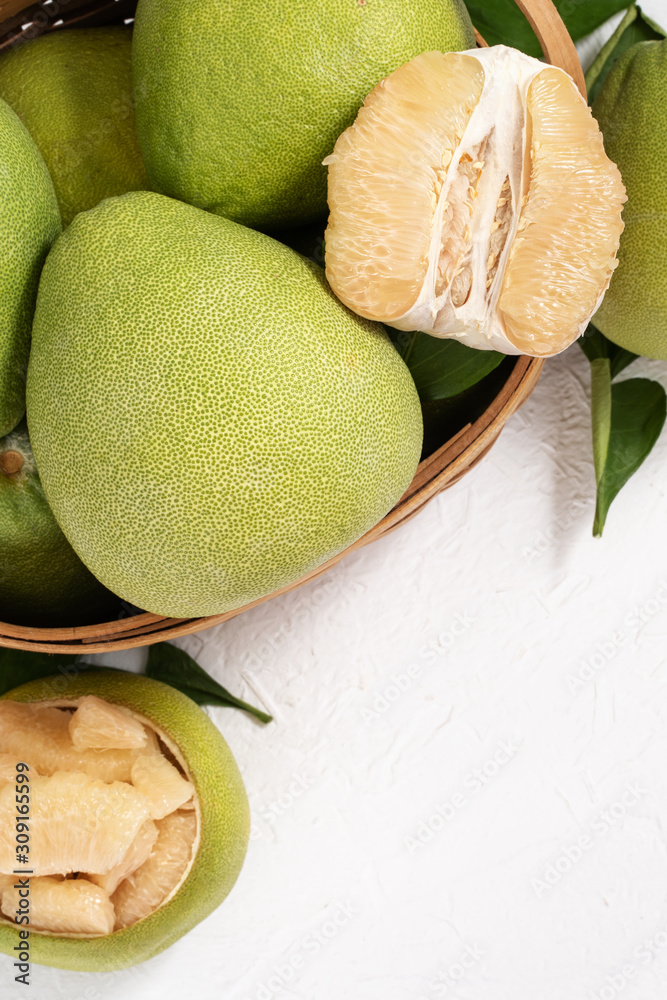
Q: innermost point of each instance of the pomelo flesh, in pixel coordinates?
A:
(473, 199)
(210, 423)
(64, 906)
(238, 104)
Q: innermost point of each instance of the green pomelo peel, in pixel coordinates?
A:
(238, 104)
(632, 112)
(73, 92)
(209, 422)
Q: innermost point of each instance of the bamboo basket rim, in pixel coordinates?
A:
(438, 471)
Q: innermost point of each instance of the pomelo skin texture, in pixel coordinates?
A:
(42, 580)
(224, 821)
(209, 421)
(73, 92)
(238, 104)
(632, 112)
(29, 223)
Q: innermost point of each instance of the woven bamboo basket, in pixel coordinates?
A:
(438, 471)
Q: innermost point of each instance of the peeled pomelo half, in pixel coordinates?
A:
(472, 198)
(126, 887)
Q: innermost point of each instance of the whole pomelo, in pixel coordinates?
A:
(42, 580)
(73, 92)
(29, 223)
(208, 420)
(632, 112)
(222, 815)
(238, 104)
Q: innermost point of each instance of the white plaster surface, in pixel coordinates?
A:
(464, 791)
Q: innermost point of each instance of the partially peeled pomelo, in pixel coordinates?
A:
(109, 886)
(472, 198)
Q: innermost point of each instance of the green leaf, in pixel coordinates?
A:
(501, 21)
(173, 666)
(595, 345)
(638, 409)
(443, 368)
(635, 27)
(18, 666)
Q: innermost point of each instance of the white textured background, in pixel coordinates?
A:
(464, 793)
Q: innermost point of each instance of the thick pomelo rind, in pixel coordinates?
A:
(249, 145)
(224, 822)
(632, 113)
(259, 426)
(29, 223)
(73, 91)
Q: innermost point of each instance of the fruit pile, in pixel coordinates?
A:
(206, 420)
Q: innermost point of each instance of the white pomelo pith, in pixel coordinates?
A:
(473, 199)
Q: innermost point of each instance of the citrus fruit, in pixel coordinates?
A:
(142, 884)
(73, 92)
(42, 580)
(238, 104)
(472, 198)
(632, 112)
(29, 223)
(209, 422)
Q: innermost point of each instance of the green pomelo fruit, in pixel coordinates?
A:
(73, 92)
(632, 111)
(42, 580)
(29, 223)
(238, 104)
(224, 821)
(208, 420)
